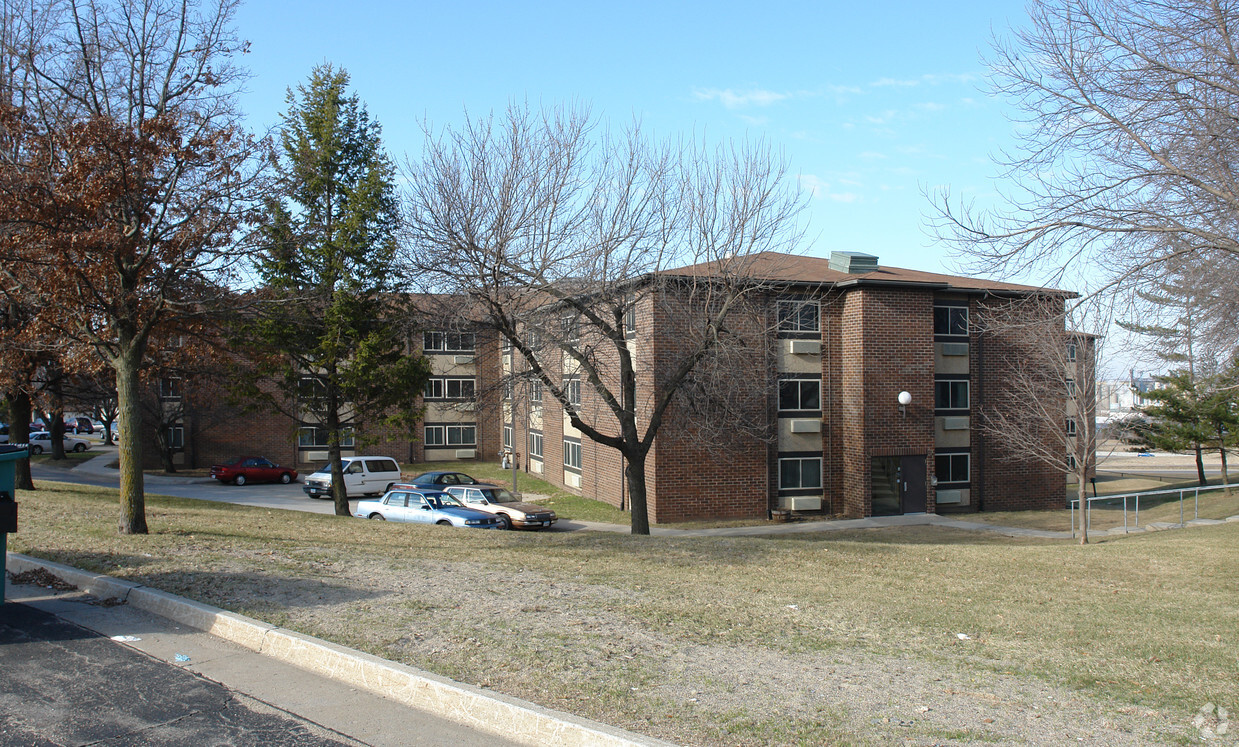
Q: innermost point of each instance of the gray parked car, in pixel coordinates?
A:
(406, 503)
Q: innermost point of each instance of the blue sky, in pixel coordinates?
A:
(870, 103)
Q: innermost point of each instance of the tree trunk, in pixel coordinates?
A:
(339, 491)
(19, 409)
(634, 473)
(129, 445)
(1200, 465)
(1082, 493)
(1225, 472)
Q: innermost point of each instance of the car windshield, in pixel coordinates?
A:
(449, 501)
(500, 495)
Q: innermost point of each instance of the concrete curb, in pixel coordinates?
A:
(484, 710)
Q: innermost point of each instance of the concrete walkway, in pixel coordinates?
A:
(355, 697)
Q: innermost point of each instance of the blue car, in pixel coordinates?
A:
(407, 503)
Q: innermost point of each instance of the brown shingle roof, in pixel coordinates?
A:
(798, 269)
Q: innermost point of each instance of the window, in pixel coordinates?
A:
(448, 342)
(799, 316)
(572, 454)
(507, 436)
(1071, 387)
(176, 437)
(170, 388)
(800, 394)
(630, 317)
(311, 389)
(450, 435)
(1071, 427)
(1071, 461)
(572, 390)
(535, 445)
(951, 320)
(535, 392)
(571, 327)
(507, 389)
(951, 395)
(950, 468)
(1071, 351)
(800, 473)
(450, 389)
(316, 435)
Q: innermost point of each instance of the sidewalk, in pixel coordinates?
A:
(63, 685)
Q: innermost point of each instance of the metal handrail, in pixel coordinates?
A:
(1087, 518)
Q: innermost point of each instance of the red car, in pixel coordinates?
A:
(253, 469)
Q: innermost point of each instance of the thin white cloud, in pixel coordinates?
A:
(845, 197)
(885, 82)
(733, 99)
(811, 184)
(931, 106)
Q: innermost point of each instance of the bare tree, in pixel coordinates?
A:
(561, 234)
(1045, 410)
(128, 179)
(1128, 146)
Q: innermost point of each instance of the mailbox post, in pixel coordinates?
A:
(9, 456)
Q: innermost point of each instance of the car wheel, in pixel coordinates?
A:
(240, 480)
(444, 523)
(79, 448)
(286, 478)
(378, 517)
(36, 449)
(504, 522)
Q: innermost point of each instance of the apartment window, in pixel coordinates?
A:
(507, 389)
(1071, 387)
(450, 435)
(311, 436)
(799, 473)
(448, 342)
(176, 437)
(1071, 427)
(799, 316)
(169, 388)
(951, 468)
(507, 437)
(1071, 352)
(1071, 461)
(572, 454)
(534, 339)
(572, 390)
(444, 388)
(535, 445)
(951, 395)
(630, 317)
(571, 327)
(800, 394)
(535, 392)
(311, 389)
(951, 320)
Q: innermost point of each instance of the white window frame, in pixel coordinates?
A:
(800, 472)
(507, 437)
(800, 395)
(1071, 427)
(572, 454)
(572, 391)
(951, 404)
(450, 435)
(951, 309)
(794, 320)
(440, 341)
(942, 480)
(535, 445)
(347, 437)
(440, 387)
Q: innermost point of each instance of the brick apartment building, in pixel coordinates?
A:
(873, 378)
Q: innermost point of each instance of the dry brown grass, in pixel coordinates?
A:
(685, 638)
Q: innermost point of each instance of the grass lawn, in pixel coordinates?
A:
(625, 629)
(71, 460)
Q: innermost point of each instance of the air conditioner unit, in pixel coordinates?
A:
(955, 348)
(955, 423)
(466, 453)
(466, 407)
(804, 347)
(801, 502)
(314, 456)
(951, 498)
(463, 359)
(806, 425)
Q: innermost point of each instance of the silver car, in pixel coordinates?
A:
(42, 441)
(403, 503)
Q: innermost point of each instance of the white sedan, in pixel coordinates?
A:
(42, 441)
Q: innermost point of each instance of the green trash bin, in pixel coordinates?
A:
(9, 456)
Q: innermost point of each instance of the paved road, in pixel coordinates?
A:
(65, 680)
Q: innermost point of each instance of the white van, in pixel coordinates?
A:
(362, 476)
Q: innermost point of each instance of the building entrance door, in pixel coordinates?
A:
(897, 485)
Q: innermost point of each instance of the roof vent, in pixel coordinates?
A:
(853, 263)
